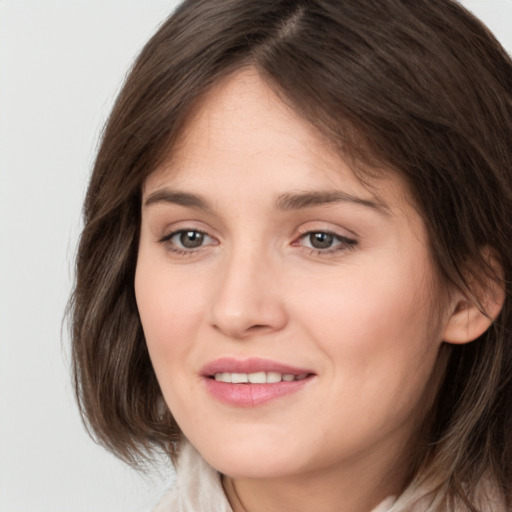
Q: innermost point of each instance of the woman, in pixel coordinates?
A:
(294, 274)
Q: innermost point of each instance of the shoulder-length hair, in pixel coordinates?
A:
(420, 87)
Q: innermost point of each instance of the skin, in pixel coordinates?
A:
(364, 315)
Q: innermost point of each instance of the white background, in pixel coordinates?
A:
(61, 63)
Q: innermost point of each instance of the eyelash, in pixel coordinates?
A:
(343, 243)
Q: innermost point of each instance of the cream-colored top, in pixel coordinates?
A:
(198, 487)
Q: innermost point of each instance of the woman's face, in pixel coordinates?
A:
(288, 311)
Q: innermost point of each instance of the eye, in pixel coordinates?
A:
(326, 241)
(187, 240)
(320, 240)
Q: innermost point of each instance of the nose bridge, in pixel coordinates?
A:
(247, 298)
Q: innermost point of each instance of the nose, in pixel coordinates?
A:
(248, 299)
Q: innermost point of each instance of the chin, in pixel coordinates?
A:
(250, 460)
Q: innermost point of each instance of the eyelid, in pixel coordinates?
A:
(165, 229)
(344, 241)
(335, 235)
(327, 227)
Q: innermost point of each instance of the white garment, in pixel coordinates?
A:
(198, 487)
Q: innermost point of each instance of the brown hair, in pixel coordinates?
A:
(420, 87)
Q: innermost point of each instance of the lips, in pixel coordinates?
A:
(253, 365)
(252, 382)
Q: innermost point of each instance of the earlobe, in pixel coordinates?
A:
(469, 318)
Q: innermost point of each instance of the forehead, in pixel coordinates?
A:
(241, 128)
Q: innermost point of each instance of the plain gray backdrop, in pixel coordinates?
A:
(61, 64)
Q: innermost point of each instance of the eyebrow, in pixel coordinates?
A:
(285, 202)
(305, 200)
(177, 197)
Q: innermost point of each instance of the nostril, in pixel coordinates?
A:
(258, 327)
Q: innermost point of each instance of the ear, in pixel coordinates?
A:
(471, 317)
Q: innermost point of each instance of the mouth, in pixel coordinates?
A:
(252, 382)
(257, 377)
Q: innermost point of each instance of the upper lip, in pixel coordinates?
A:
(252, 365)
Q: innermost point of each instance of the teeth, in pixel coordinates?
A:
(257, 377)
(239, 378)
(273, 377)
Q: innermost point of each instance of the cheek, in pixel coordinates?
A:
(377, 332)
(169, 320)
(169, 308)
(381, 353)
(366, 308)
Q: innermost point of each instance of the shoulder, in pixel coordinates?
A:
(198, 486)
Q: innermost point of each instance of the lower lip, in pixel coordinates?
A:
(252, 395)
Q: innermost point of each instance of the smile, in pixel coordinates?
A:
(258, 377)
(252, 382)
